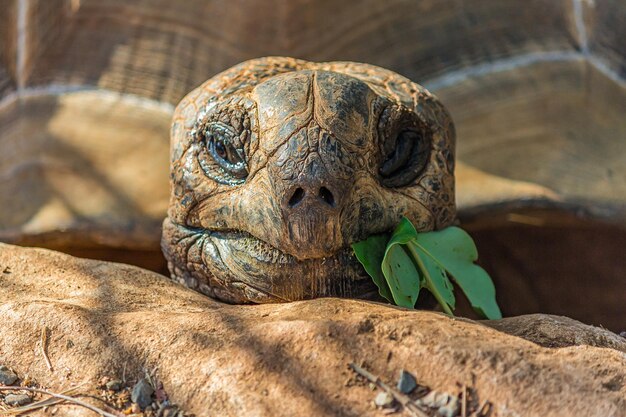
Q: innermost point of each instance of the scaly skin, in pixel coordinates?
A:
(278, 165)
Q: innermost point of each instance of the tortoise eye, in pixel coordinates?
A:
(220, 149)
(222, 145)
(405, 147)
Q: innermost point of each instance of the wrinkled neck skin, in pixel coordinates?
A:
(279, 165)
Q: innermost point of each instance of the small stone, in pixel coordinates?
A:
(142, 393)
(443, 399)
(406, 383)
(114, 385)
(450, 409)
(434, 399)
(135, 409)
(384, 400)
(169, 411)
(623, 334)
(7, 376)
(17, 399)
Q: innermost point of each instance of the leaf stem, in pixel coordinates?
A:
(427, 277)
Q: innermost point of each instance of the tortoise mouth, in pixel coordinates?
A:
(236, 266)
(265, 251)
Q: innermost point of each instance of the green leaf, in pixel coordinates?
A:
(408, 272)
(370, 253)
(435, 278)
(398, 268)
(454, 251)
(411, 261)
(401, 275)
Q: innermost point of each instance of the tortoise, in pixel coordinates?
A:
(278, 165)
(537, 97)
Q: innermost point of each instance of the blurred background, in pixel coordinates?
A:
(537, 89)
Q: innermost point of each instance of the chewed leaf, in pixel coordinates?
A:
(412, 260)
(435, 278)
(370, 253)
(399, 269)
(454, 250)
(401, 275)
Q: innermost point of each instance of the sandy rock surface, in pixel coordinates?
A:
(107, 319)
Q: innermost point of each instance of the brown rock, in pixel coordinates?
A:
(212, 356)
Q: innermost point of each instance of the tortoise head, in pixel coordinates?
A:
(278, 165)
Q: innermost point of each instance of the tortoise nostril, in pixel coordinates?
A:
(327, 196)
(297, 196)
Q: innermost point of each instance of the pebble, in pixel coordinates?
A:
(451, 409)
(17, 399)
(406, 383)
(170, 411)
(7, 376)
(447, 405)
(384, 400)
(142, 393)
(434, 399)
(114, 385)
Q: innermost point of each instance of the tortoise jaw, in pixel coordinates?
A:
(264, 251)
(237, 267)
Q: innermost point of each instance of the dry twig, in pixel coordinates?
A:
(41, 403)
(44, 347)
(62, 397)
(403, 399)
(485, 410)
(464, 402)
